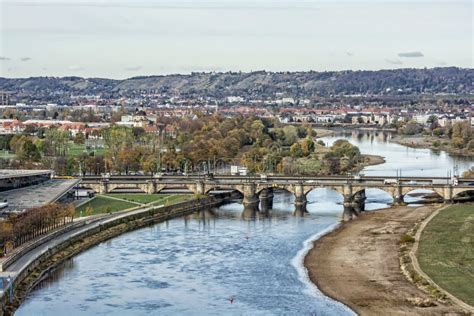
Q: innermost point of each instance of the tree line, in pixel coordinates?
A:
(28, 225)
(202, 144)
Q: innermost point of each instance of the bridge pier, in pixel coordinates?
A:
(448, 194)
(398, 196)
(300, 210)
(358, 203)
(348, 209)
(250, 210)
(104, 187)
(266, 199)
(250, 201)
(200, 188)
(300, 201)
(348, 205)
(151, 187)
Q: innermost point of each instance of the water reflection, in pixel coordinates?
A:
(411, 161)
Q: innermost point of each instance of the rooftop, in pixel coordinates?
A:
(13, 173)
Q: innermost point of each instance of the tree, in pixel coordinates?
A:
(412, 128)
(296, 150)
(138, 132)
(79, 139)
(461, 134)
(433, 122)
(29, 151)
(291, 135)
(307, 146)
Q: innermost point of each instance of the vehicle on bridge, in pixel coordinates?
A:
(390, 181)
(3, 204)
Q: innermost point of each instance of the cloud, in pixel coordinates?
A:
(4, 58)
(442, 63)
(75, 68)
(350, 54)
(394, 61)
(25, 58)
(411, 54)
(133, 68)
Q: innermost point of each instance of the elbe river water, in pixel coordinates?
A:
(195, 265)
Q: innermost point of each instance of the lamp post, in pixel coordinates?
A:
(10, 285)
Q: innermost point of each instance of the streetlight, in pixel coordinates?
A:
(9, 281)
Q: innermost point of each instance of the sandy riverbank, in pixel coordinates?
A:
(358, 264)
(321, 132)
(372, 160)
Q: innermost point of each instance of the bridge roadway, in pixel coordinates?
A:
(259, 190)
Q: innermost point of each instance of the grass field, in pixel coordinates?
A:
(148, 198)
(77, 149)
(102, 205)
(6, 155)
(446, 251)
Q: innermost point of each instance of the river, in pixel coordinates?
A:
(195, 265)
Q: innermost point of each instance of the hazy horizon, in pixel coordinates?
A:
(222, 72)
(121, 39)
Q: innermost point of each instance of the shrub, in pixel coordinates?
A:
(405, 238)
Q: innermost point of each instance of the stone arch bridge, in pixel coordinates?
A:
(259, 189)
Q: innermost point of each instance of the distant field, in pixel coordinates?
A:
(102, 205)
(76, 150)
(446, 251)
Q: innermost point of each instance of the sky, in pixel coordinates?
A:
(121, 39)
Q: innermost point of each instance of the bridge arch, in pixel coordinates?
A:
(376, 196)
(209, 189)
(325, 201)
(114, 189)
(412, 196)
(335, 188)
(463, 194)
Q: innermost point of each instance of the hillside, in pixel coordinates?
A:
(256, 84)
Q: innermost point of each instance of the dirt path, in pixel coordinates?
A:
(358, 264)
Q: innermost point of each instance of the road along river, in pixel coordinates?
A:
(214, 262)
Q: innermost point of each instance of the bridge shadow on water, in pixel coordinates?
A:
(319, 202)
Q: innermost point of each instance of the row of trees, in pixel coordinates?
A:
(460, 134)
(21, 228)
(262, 145)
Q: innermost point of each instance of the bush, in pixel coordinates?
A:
(405, 238)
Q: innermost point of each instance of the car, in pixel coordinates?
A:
(412, 182)
(3, 204)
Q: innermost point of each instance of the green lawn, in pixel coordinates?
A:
(77, 149)
(102, 205)
(446, 251)
(143, 198)
(174, 199)
(6, 155)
